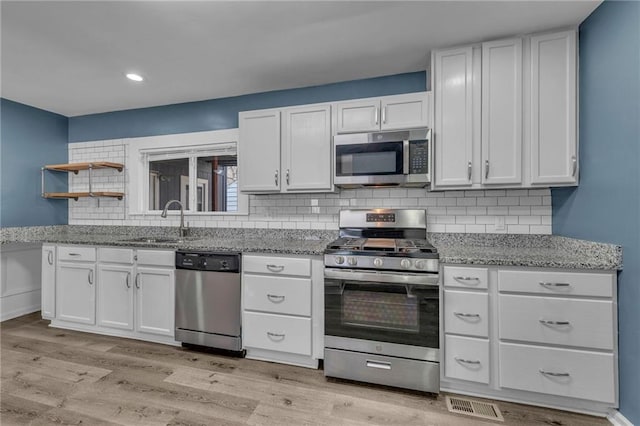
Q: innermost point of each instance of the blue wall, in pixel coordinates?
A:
(606, 205)
(30, 138)
(222, 113)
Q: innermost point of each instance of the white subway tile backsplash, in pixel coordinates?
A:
(471, 211)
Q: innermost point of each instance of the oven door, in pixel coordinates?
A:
(399, 308)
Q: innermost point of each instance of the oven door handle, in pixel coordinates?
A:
(426, 280)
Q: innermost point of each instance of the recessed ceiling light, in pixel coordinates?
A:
(134, 77)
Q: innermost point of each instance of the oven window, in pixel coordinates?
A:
(369, 159)
(385, 313)
(390, 311)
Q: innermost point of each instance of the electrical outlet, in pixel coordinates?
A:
(315, 210)
(314, 202)
(500, 226)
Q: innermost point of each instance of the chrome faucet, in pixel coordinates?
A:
(184, 231)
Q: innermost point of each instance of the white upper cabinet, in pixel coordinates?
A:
(453, 126)
(306, 148)
(505, 113)
(502, 112)
(286, 150)
(259, 151)
(396, 112)
(554, 158)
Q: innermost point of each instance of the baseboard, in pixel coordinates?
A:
(616, 418)
(19, 312)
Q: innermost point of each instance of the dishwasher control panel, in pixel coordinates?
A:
(208, 261)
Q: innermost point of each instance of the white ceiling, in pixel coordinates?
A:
(71, 57)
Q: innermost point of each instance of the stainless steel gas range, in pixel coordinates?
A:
(382, 300)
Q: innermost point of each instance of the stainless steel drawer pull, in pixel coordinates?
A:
(549, 322)
(275, 298)
(90, 277)
(276, 178)
(275, 268)
(279, 336)
(375, 116)
(465, 315)
(467, 361)
(379, 364)
(467, 280)
(545, 284)
(138, 281)
(50, 257)
(574, 165)
(552, 374)
(469, 166)
(75, 254)
(128, 280)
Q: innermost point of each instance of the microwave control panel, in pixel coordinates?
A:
(418, 157)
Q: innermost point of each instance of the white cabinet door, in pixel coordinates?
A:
(453, 139)
(259, 151)
(554, 157)
(502, 111)
(306, 148)
(155, 298)
(48, 308)
(404, 111)
(75, 292)
(115, 296)
(358, 116)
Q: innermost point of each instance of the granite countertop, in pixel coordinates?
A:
(302, 242)
(548, 251)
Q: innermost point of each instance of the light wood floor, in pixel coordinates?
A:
(52, 376)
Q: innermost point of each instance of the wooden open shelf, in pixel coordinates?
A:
(76, 167)
(76, 195)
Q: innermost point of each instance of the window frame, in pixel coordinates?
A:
(140, 151)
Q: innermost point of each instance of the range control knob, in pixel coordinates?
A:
(352, 261)
(405, 264)
(377, 262)
(420, 264)
(339, 260)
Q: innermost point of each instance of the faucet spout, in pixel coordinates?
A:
(183, 230)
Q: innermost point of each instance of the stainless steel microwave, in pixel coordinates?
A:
(395, 158)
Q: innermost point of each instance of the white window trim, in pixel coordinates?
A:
(180, 145)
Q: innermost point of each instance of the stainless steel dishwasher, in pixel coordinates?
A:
(208, 299)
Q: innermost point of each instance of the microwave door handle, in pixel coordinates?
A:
(405, 157)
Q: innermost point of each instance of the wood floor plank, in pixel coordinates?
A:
(18, 411)
(68, 338)
(71, 372)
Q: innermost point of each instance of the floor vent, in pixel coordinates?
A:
(474, 408)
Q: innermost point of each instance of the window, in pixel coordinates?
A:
(202, 176)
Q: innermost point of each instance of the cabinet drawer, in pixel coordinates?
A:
(467, 358)
(74, 253)
(277, 265)
(560, 283)
(156, 257)
(466, 313)
(115, 255)
(277, 333)
(565, 372)
(280, 295)
(530, 318)
(459, 276)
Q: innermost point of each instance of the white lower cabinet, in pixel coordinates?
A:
(558, 371)
(155, 299)
(116, 291)
(48, 294)
(76, 292)
(115, 296)
(467, 358)
(283, 318)
(531, 335)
